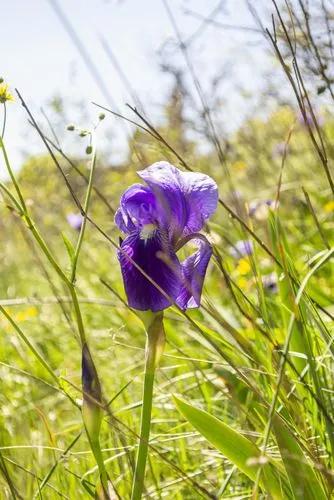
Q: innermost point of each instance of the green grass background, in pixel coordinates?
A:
(228, 364)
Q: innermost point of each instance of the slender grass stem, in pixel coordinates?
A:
(154, 347)
(4, 120)
(11, 197)
(86, 205)
(11, 174)
(45, 249)
(78, 315)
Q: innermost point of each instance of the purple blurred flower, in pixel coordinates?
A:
(308, 119)
(270, 282)
(159, 218)
(75, 221)
(253, 206)
(260, 208)
(241, 248)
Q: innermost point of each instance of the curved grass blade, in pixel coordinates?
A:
(302, 476)
(238, 449)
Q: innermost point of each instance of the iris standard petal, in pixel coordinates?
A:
(164, 180)
(201, 193)
(185, 200)
(194, 268)
(155, 257)
(137, 207)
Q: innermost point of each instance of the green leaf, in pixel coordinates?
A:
(238, 449)
(303, 479)
(69, 248)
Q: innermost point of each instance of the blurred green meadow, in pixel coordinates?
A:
(257, 354)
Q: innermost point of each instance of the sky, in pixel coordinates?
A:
(41, 60)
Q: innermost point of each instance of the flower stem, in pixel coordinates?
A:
(102, 487)
(154, 348)
(92, 414)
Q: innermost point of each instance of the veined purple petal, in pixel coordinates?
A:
(194, 268)
(164, 180)
(154, 255)
(123, 221)
(201, 193)
(185, 200)
(137, 207)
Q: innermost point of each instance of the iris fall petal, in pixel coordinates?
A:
(155, 257)
(194, 269)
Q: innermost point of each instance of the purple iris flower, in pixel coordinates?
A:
(159, 218)
(75, 221)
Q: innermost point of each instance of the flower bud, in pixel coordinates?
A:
(89, 150)
(92, 414)
(102, 116)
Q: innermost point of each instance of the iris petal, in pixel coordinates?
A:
(201, 194)
(155, 257)
(185, 200)
(164, 181)
(194, 268)
(137, 207)
(123, 221)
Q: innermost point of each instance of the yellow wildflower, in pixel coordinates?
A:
(242, 283)
(239, 165)
(243, 267)
(329, 207)
(31, 312)
(5, 94)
